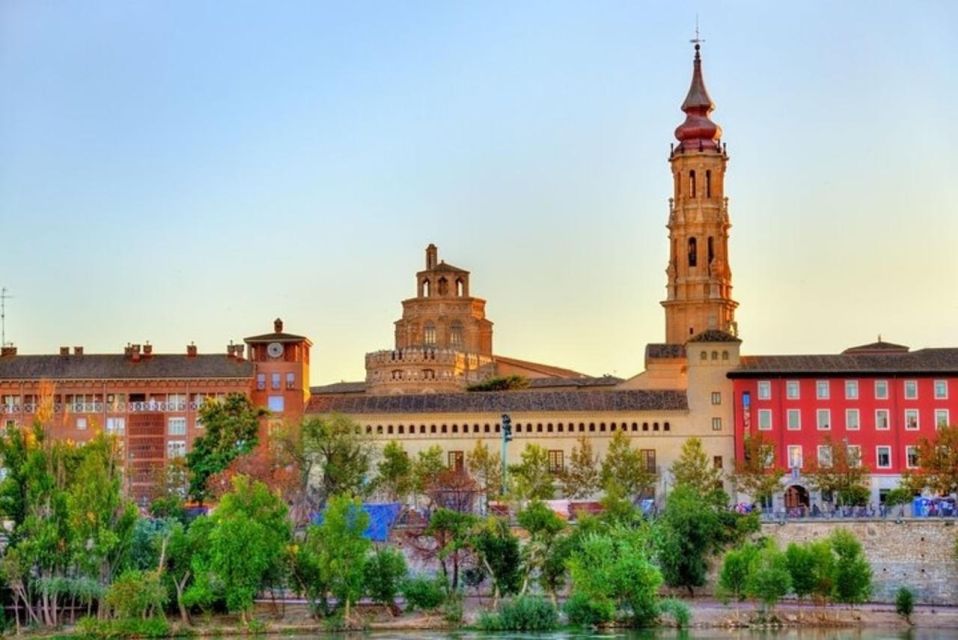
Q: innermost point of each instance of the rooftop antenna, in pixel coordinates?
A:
(4, 296)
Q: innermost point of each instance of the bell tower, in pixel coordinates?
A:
(699, 295)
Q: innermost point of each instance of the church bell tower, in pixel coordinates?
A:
(699, 294)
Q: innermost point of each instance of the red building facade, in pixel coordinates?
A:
(880, 399)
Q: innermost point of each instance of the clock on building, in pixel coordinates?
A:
(274, 349)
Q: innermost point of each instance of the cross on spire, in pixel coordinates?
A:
(697, 40)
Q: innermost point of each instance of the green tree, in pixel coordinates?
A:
(853, 574)
(486, 467)
(427, 468)
(385, 571)
(342, 549)
(694, 470)
(937, 464)
(758, 474)
(230, 429)
(544, 527)
(395, 472)
(734, 575)
(905, 603)
(137, 594)
(800, 559)
(688, 533)
(532, 478)
(769, 580)
(839, 472)
(823, 570)
(498, 552)
(624, 471)
(500, 383)
(334, 450)
(581, 479)
(452, 532)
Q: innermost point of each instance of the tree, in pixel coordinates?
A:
(840, 472)
(544, 527)
(334, 450)
(230, 429)
(823, 570)
(395, 476)
(498, 552)
(800, 559)
(581, 478)
(758, 474)
(937, 464)
(453, 489)
(501, 383)
(427, 467)
(342, 549)
(769, 580)
(486, 468)
(384, 572)
(734, 575)
(853, 574)
(532, 478)
(693, 469)
(624, 471)
(451, 532)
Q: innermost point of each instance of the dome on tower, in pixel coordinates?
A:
(698, 131)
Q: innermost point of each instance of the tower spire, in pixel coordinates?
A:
(698, 131)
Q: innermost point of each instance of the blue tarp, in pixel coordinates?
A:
(382, 516)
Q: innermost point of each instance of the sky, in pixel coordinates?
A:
(186, 171)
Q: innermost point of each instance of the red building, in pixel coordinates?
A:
(880, 399)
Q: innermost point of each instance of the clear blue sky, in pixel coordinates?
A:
(181, 170)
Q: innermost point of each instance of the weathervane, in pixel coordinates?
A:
(697, 40)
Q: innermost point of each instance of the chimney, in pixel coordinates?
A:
(135, 352)
(278, 325)
(147, 350)
(78, 351)
(64, 351)
(238, 351)
(8, 350)
(191, 350)
(432, 256)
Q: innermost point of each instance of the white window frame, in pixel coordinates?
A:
(827, 413)
(716, 424)
(939, 423)
(179, 446)
(791, 385)
(881, 385)
(765, 415)
(180, 429)
(791, 459)
(764, 390)
(851, 389)
(716, 398)
(857, 420)
(115, 425)
(913, 385)
(944, 394)
(823, 389)
(917, 416)
(81, 424)
(823, 448)
(878, 450)
(854, 455)
(908, 450)
(788, 420)
(887, 415)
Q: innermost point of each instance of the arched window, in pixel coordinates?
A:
(725, 355)
(711, 249)
(429, 334)
(425, 288)
(443, 287)
(691, 184)
(715, 355)
(455, 334)
(693, 251)
(708, 184)
(460, 287)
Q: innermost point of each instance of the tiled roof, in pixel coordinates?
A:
(502, 401)
(119, 366)
(444, 266)
(547, 383)
(921, 361)
(276, 337)
(714, 335)
(340, 387)
(658, 350)
(880, 346)
(538, 367)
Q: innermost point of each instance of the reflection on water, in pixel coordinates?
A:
(665, 634)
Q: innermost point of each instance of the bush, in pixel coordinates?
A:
(678, 610)
(452, 608)
(384, 572)
(123, 628)
(905, 603)
(136, 594)
(528, 613)
(582, 611)
(422, 592)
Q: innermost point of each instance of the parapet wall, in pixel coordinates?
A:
(918, 554)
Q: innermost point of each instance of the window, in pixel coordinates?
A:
(429, 334)
(764, 390)
(794, 417)
(911, 389)
(81, 423)
(795, 456)
(764, 419)
(115, 426)
(911, 419)
(716, 462)
(176, 449)
(881, 389)
(823, 419)
(290, 380)
(556, 461)
(941, 418)
(883, 457)
(692, 183)
(854, 455)
(260, 381)
(852, 420)
(941, 389)
(692, 252)
(716, 397)
(455, 334)
(824, 456)
(716, 424)
(276, 404)
(791, 390)
(428, 374)
(881, 419)
(851, 389)
(176, 426)
(274, 380)
(821, 389)
(911, 457)
(708, 183)
(647, 456)
(396, 374)
(456, 460)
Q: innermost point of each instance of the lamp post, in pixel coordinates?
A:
(506, 439)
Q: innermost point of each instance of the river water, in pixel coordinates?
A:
(671, 634)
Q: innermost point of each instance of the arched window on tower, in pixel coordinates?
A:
(678, 185)
(460, 287)
(711, 250)
(708, 184)
(693, 250)
(691, 184)
(429, 334)
(425, 288)
(443, 287)
(455, 334)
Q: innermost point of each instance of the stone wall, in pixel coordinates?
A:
(919, 554)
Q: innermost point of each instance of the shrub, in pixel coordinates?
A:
(123, 628)
(528, 613)
(136, 594)
(452, 608)
(583, 611)
(678, 610)
(422, 592)
(905, 603)
(384, 571)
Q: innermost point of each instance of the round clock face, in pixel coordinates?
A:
(274, 349)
